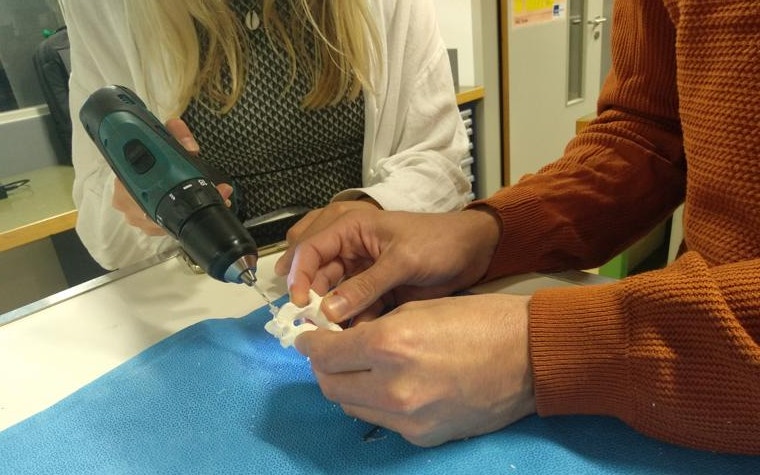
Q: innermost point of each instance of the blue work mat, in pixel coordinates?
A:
(222, 396)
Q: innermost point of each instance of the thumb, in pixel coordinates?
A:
(362, 290)
(180, 131)
(225, 189)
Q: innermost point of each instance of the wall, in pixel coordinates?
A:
(487, 64)
(29, 272)
(455, 22)
(471, 26)
(542, 112)
(27, 141)
(22, 28)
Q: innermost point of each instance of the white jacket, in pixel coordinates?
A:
(413, 142)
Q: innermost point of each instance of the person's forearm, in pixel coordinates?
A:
(415, 138)
(111, 241)
(674, 353)
(619, 178)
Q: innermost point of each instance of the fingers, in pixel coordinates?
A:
(282, 266)
(316, 221)
(181, 132)
(225, 190)
(328, 256)
(351, 297)
(133, 213)
(298, 231)
(307, 264)
(299, 292)
(295, 234)
(146, 225)
(407, 427)
(359, 292)
(319, 219)
(345, 377)
(372, 312)
(321, 283)
(334, 352)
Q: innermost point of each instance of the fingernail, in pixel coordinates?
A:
(190, 144)
(335, 305)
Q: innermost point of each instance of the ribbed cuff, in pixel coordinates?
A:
(524, 244)
(578, 343)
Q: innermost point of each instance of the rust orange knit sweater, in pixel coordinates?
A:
(675, 353)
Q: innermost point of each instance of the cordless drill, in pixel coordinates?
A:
(172, 187)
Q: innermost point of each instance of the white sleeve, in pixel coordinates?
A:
(415, 138)
(102, 53)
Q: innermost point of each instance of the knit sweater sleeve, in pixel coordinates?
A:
(675, 353)
(627, 166)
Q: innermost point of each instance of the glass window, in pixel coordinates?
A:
(23, 25)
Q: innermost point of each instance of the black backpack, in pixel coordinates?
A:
(53, 65)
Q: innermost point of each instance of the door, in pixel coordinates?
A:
(552, 76)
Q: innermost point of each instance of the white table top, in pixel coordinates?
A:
(55, 350)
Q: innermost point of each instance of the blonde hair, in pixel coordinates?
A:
(344, 35)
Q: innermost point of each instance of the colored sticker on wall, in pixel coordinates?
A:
(532, 12)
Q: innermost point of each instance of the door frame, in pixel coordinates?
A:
(503, 21)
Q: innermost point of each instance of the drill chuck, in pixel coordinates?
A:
(214, 240)
(170, 185)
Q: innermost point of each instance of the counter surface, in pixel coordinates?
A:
(467, 94)
(38, 209)
(56, 349)
(49, 354)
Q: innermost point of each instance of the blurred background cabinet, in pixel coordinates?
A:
(468, 99)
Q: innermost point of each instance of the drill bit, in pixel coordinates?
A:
(273, 309)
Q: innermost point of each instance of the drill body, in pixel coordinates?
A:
(170, 185)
